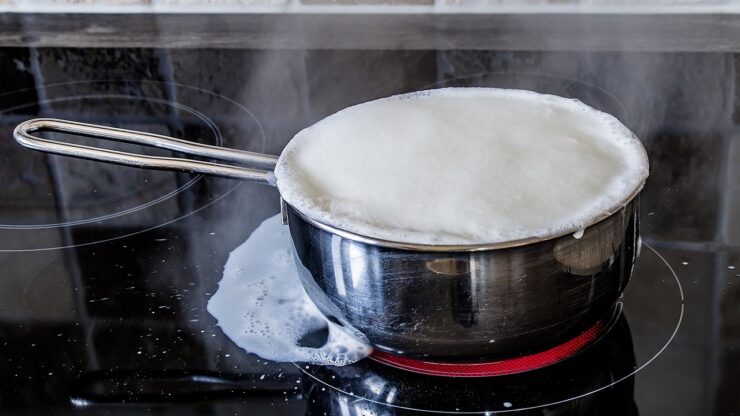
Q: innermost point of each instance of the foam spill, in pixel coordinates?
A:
(261, 305)
(463, 166)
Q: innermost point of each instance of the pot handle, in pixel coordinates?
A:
(23, 136)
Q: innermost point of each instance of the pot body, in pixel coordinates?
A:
(467, 306)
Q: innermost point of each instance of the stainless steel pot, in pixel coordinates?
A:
(438, 303)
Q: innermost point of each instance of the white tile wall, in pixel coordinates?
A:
(597, 5)
(211, 3)
(90, 3)
(732, 195)
(441, 6)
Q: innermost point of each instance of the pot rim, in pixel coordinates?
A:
(462, 247)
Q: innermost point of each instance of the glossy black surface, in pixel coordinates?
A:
(608, 359)
(105, 271)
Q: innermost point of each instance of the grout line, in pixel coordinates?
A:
(69, 258)
(715, 316)
(725, 211)
(725, 168)
(38, 80)
(185, 200)
(166, 72)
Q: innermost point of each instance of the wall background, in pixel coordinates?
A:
(374, 6)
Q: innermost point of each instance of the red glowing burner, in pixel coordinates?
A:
(494, 368)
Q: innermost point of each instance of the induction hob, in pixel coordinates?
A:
(107, 270)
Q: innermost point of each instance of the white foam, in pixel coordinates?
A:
(462, 166)
(261, 305)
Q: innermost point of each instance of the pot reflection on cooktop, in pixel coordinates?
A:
(568, 384)
(578, 386)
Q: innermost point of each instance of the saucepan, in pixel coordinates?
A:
(446, 303)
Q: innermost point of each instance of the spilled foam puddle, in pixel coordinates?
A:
(261, 305)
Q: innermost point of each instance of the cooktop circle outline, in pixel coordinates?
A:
(555, 403)
(211, 125)
(176, 84)
(208, 120)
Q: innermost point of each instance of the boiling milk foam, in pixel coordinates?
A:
(462, 166)
(261, 305)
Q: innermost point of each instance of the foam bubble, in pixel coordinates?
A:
(463, 166)
(261, 305)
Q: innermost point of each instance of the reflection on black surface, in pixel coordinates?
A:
(56, 325)
(162, 387)
(595, 381)
(46, 193)
(388, 391)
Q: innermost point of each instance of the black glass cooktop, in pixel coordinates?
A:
(105, 271)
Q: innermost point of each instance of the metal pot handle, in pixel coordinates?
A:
(22, 134)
